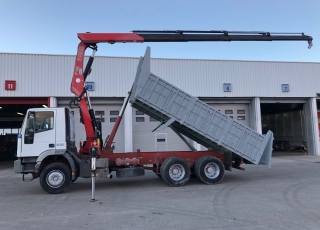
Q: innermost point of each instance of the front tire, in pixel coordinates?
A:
(55, 178)
(209, 170)
(175, 171)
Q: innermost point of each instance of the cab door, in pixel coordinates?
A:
(39, 133)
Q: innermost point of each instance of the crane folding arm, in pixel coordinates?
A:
(140, 36)
(190, 36)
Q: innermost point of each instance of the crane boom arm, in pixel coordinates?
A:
(190, 36)
(141, 36)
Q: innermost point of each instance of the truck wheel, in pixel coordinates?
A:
(209, 170)
(55, 178)
(175, 171)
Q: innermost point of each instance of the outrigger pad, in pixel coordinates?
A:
(130, 172)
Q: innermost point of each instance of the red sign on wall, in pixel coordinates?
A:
(10, 85)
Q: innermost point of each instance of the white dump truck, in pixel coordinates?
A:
(46, 145)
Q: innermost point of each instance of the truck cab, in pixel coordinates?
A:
(46, 131)
(47, 134)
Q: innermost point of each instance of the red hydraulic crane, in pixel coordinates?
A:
(91, 39)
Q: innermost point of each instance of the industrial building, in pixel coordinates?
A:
(281, 96)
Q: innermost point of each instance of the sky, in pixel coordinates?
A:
(51, 27)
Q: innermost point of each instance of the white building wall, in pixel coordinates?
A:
(53, 102)
(39, 75)
(255, 114)
(127, 119)
(248, 78)
(50, 75)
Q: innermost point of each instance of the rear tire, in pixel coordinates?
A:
(175, 171)
(55, 178)
(209, 170)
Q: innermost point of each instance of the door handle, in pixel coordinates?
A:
(51, 145)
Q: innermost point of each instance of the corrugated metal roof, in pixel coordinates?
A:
(40, 75)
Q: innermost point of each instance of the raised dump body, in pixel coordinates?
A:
(195, 119)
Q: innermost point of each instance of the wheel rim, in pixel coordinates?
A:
(212, 170)
(55, 179)
(177, 172)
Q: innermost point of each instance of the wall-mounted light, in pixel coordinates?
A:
(0, 107)
(20, 113)
(44, 106)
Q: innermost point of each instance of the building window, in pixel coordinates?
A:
(139, 119)
(228, 111)
(152, 119)
(98, 113)
(100, 119)
(114, 113)
(231, 117)
(138, 112)
(161, 140)
(113, 119)
(241, 118)
(241, 111)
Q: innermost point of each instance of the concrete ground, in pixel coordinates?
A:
(287, 196)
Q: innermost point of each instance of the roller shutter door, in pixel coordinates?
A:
(239, 112)
(109, 115)
(146, 140)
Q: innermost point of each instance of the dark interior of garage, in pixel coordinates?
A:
(274, 108)
(286, 121)
(11, 116)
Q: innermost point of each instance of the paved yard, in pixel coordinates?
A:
(287, 196)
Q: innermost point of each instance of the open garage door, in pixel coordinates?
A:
(12, 112)
(286, 120)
